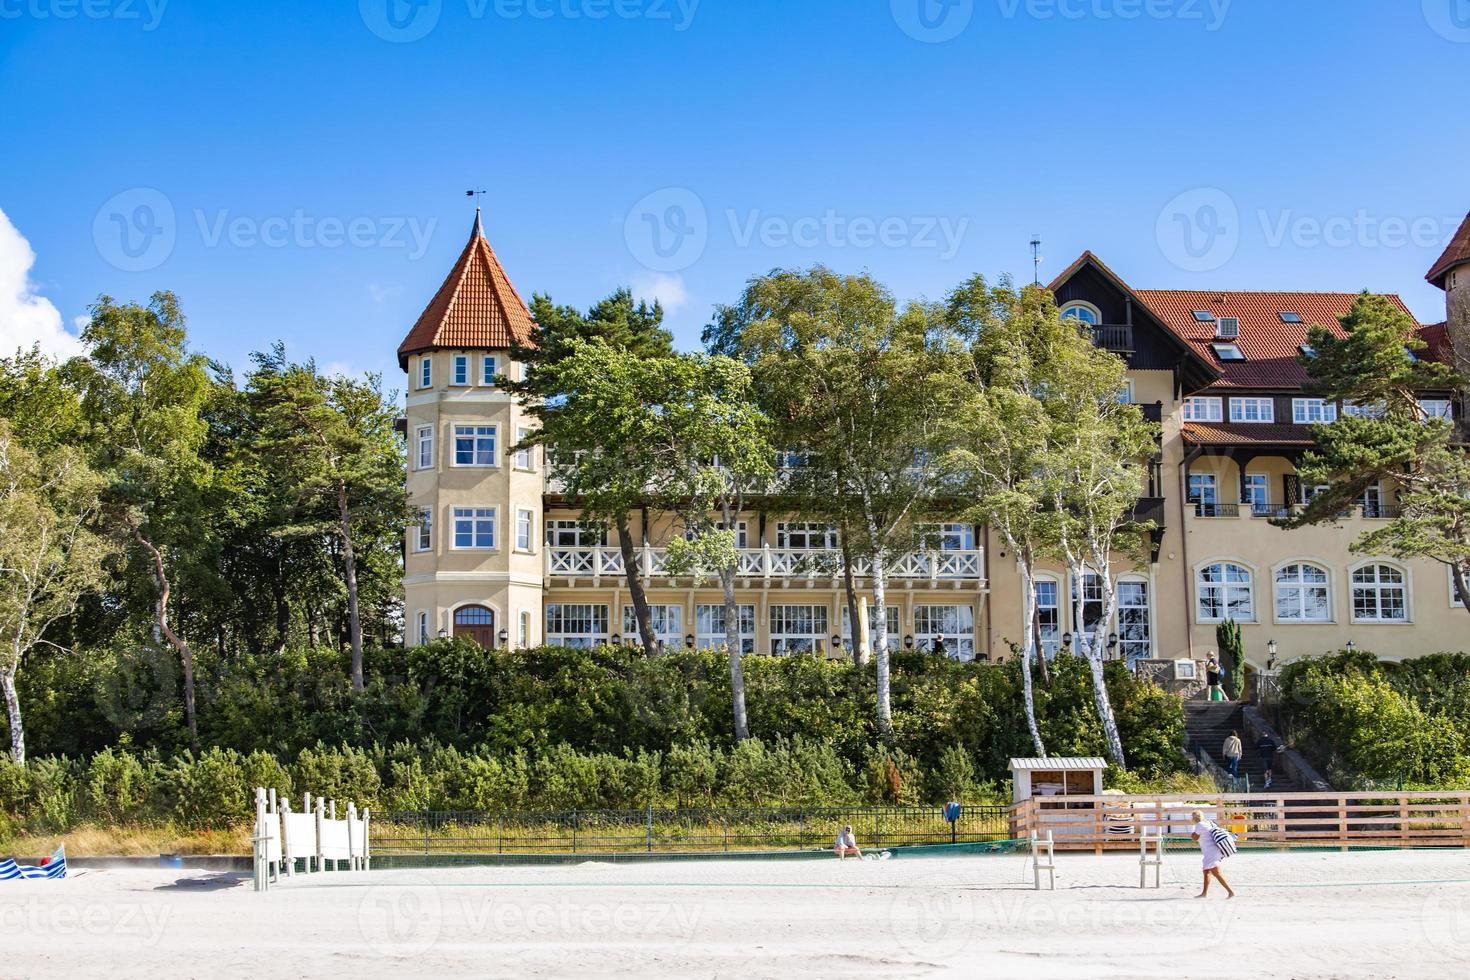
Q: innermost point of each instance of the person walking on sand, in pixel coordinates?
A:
(1232, 751)
(846, 844)
(1207, 832)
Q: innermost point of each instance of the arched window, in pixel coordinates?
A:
(1225, 592)
(1085, 312)
(1049, 615)
(423, 627)
(1380, 595)
(1302, 595)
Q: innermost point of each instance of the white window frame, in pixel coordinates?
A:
(1142, 646)
(590, 617)
(525, 530)
(959, 644)
(894, 624)
(1264, 410)
(781, 616)
(1075, 305)
(426, 372)
(488, 369)
(1377, 588)
(668, 623)
(789, 531)
(563, 533)
(422, 619)
(479, 519)
(523, 621)
(423, 535)
(1199, 408)
(477, 434)
(1437, 408)
(460, 370)
(1455, 602)
(525, 458)
(1355, 410)
(1051, 635)
(1223, 587)
(1091, 583)
(709, 626)
(1254, 481)
(1302, 586)
(424, 447)
(1303, 411)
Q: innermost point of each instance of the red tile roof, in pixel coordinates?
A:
(1437, 338)
(1245, 434)
(1458, 253)
(476, 308)
(1269, 345)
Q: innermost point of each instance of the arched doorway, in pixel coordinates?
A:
(477, 623)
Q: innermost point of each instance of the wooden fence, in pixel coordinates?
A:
(1367, 819)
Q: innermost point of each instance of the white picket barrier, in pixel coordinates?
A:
(313, 837)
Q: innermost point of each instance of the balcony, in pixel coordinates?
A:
(765, 564)
(1116, 337)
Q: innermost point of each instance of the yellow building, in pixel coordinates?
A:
(501, 557)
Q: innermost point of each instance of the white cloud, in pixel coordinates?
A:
(381, 294)
(667, 289)
(26, 317)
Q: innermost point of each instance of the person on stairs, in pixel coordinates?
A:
(1232, 751)
(1267, 748)
(1214, 677)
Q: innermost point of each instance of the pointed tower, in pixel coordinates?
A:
(1452, 274)
(473, 563)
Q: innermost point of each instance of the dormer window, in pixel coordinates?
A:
(1083, 313)
(1228, 352)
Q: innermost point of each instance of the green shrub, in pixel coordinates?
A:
(118, 787)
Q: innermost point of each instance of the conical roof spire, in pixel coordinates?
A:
(476, 308)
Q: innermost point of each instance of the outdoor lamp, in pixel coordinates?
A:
(1112, 640)
(504, 636)
(689, 640)
(908, 642)
(1271, 654)
(1351, 645)
(836, 642)
(1067, 640)
(617, 639)
(443, 632)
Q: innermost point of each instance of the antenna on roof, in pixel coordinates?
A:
(1036, 259)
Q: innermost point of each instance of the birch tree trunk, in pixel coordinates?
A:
(349, 568)
(1028, 649)
(732, 640)
(634, 573)
(12, 714)
(880, 652)
(859, 640)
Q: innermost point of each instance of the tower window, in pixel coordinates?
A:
(426, 372)
(461, 369)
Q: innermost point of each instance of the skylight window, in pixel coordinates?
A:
(1287, 316)
(1307, 350)
(1204, 316)
(1228, 352)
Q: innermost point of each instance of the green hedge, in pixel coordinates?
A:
(453, 726)
(1369, 722)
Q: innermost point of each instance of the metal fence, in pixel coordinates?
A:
(652, 830)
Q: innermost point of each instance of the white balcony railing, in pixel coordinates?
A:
(766, 563)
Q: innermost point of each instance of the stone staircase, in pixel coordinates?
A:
(1208, 723)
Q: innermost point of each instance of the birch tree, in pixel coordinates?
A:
(49, 556)
(872, 401)
(1003, 448)
(1094, 478)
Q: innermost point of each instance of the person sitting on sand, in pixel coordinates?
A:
(846, 844)
(1204, 832)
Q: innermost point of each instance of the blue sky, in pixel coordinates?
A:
(298, 171)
